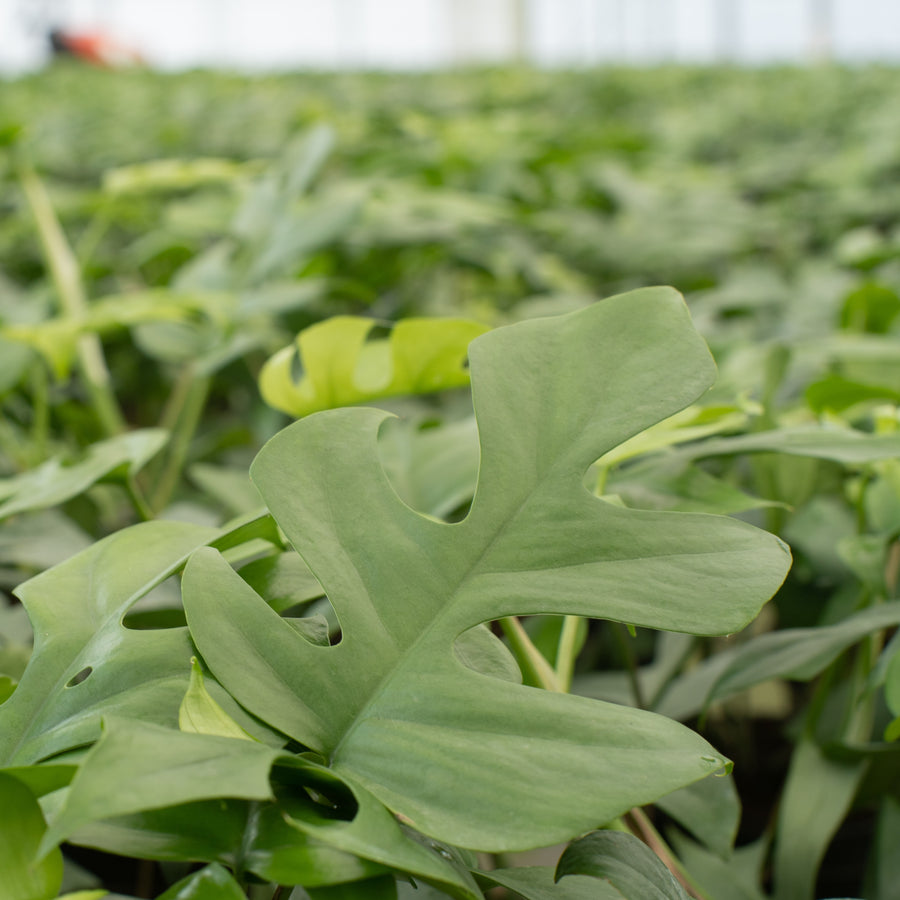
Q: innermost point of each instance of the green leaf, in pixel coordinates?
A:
(172, 174)
(200, 714)
(26, 875)
(816, 798)
(85, 662)
(838, 394)
(497, 765)
(228, 486)
(886, 868)
(233, 832)
(709, 809)
(627, 863)
(843, 445)
(382, 888)
(14, 361)
(137, 766)
(433, 470)
(798, 653)
(210, 883)
(365, 828)
(283, 580)
(537, 883)
(7, 686)
(892, 683)
(680, 486)
(722, 879)
(40, 540)
(342, 368)
(872, 307)
(56, 481)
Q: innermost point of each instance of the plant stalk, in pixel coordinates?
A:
(631, 666)
(66, 277)
(566, 652)
(532, 661)
(182, 416)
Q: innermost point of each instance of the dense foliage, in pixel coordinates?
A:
(356, 671)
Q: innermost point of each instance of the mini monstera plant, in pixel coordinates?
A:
(381, 753)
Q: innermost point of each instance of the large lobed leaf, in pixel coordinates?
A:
(467, 758)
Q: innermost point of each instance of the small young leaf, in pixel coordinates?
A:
(626, 863)
(200, 714)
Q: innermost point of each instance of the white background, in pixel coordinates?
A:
(279, 34)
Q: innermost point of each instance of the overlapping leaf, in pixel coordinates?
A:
(86, 663)
(464, 757)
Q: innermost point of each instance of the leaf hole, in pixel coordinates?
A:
(79, 677)
(297, 370)
(380, 331)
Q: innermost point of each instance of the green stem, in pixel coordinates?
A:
(566, 652)
(142, 507)
(95, 231)
(189, 404)
(533, 663)
(66, 276)
(631, 667)
(602, 475)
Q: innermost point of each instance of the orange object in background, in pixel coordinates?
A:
(94, 47)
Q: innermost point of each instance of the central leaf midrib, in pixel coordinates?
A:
(467, 575)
